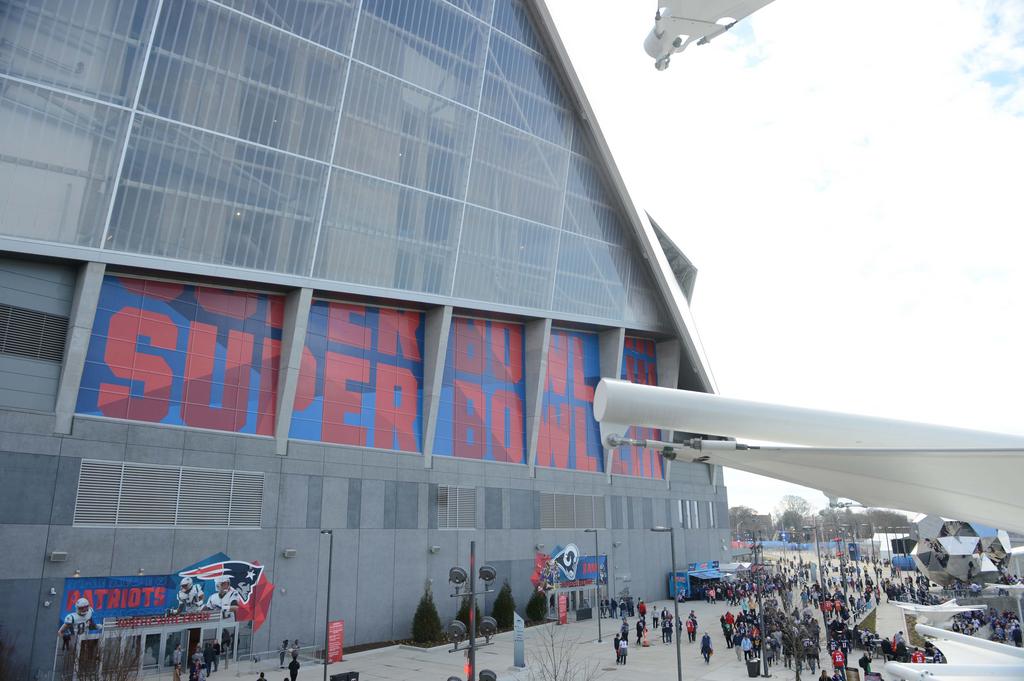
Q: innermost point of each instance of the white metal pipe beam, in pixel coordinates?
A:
(621, 402)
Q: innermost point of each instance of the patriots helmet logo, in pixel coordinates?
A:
(567, 560)
(242, 576)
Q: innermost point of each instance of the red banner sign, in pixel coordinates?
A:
(335, 640)
(159, 620)
(563, 609)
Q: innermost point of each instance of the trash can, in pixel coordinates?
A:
(753, 668)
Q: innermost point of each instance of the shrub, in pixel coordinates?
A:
(426, 625)
(537, 607)
(504, 607)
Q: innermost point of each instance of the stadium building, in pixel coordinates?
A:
(269, 267)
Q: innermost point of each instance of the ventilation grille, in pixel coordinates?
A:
(140, 495)
(33, 334)
(571, 511)
(456, 507)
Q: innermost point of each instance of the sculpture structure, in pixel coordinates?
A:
(951, 550)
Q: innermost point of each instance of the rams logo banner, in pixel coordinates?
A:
(565, 567)
(567, 559)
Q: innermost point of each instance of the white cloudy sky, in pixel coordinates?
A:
(848, 177)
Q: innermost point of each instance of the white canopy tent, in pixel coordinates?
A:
(968, 658)
(936, 615)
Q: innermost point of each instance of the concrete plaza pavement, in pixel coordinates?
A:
(655, 663)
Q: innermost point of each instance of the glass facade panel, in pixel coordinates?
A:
(218, 70)
(592, 277)
(643, 305)
(326, 22)
(505, 260)
(58, 160)
(426, 42)
(95, 47)
(399, 132)
(521, 89)
(513, 19)
(478, 8)
(197, 196)
(382, 234)
(517, 174)
(586, 209)
(258, 144)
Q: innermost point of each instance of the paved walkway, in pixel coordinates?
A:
(655, 663)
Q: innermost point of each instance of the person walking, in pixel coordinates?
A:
(293, 668)
(839, 662)
(747, 647)
(705, 647)
(176, 659)
(639, 631)
(691, 630)
(865, 664)
(207, 657)
(216, 655)
(623, 650)
(737, 645)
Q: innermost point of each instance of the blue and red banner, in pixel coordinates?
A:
(184, 355)
(481, 413)
(361, 378)
(569, 436)
(639, 365)
(564, 567)
(245, 594)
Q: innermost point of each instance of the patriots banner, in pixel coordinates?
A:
(215, 587)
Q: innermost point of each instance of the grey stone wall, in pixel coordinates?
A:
(381, 506)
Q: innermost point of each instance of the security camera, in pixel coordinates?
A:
(669, 453)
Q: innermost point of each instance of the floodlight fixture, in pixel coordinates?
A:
(457, 575)
(456, 630)
(487, 573)
(488, 626)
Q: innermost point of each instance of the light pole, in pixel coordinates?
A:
(597, 581)
(821, 577)
(759, 589)
(327, 610)
(458, 577)
(675, 599)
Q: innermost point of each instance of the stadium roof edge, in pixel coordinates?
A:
(672, 293)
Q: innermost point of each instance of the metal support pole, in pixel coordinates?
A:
(675, 605)
(597, 583)
(472, 611)
(821, 576)
(327, 609)
(760, 607)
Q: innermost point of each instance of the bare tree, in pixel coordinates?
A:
(12, 665)
(554, 656)
(111, 658)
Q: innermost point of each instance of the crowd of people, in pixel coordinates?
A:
(806, 620)
(1004, 627)
(809, 621)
